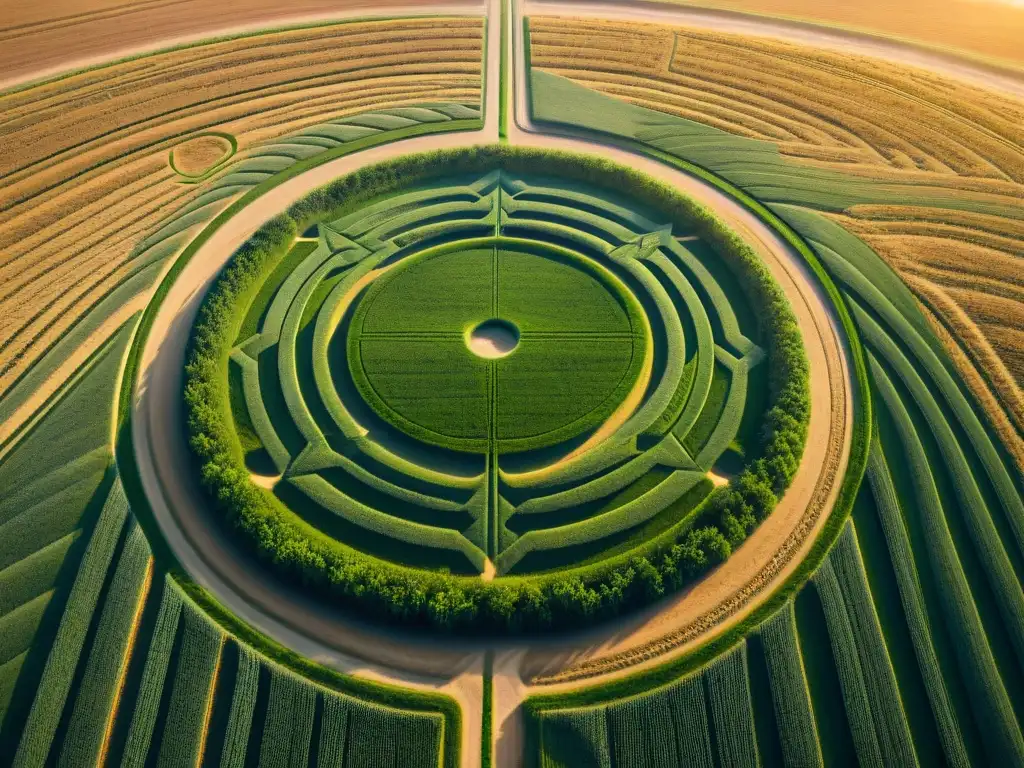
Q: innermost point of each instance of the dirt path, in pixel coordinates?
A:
(452, 666)
(770, 555)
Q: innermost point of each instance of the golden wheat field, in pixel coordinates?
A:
(878, 121)
(62, 34)
(990, 28)
(111, 131)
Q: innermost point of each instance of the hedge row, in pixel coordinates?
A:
(569, 599)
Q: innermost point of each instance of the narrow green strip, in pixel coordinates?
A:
(487, 711)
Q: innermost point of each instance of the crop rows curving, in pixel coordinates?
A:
(913, 616)
(333, 390)
(930, 191)
(92, 211)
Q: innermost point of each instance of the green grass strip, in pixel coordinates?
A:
(243, 704)
(288, 727)
(728, 692)
(62, 662)
(184, 729)
(487, 708)
(912, 599)
(154, 675)
(791, 698)
(96, 694)
(990, 701)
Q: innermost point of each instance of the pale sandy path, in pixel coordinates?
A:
(209, 555)
(730, 593)
(305, 626)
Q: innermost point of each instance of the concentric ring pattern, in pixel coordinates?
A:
(636, 384)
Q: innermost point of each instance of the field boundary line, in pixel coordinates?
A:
(861, 425)
(360, 687)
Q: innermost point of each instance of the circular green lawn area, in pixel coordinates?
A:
(500, 363)
(579, 350)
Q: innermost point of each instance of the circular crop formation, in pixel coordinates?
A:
(495, 389)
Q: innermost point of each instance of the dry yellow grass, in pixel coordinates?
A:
(870, 118)
(838, 110)
(195, 157)
(989, 28)
(84, 159)
(37, 36)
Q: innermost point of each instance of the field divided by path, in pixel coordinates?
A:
(138, 671)
(104, 657)
(92, 208)
(874, 661)
(915, 615)
(351, 353)
(927, 170)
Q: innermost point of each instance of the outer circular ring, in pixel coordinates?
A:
(535, 602)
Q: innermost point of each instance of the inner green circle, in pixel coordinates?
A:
(580, 348)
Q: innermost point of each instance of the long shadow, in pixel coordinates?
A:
(392, 505)
(823, 680)
(59, 736)
(224, 690)
(31, 672)
(133, 678)
(160, 726)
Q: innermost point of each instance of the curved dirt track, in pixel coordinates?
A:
(212, 559)
(774, 550)
(453, 667)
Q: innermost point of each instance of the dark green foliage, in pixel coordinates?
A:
(567, 599)
(487, 722)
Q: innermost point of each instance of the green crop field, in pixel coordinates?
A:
(463, 388)
(903, 646)
(400, 440)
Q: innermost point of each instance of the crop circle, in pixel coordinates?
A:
(633, 349)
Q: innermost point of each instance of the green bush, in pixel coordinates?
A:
(562, 600)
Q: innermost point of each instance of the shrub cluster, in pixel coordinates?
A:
(568, 599)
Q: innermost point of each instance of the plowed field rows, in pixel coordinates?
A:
(84, 158)
(937, 164)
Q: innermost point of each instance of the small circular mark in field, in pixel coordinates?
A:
(202, 154)
(492, 339)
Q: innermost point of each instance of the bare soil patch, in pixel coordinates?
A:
(493, 339)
